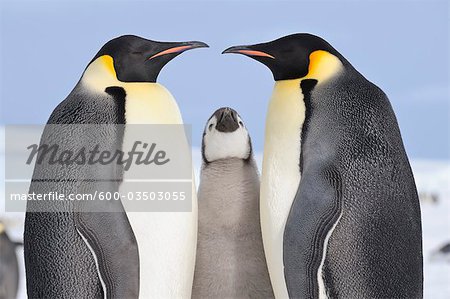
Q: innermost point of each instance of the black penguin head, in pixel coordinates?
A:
(225, 136)
(140, 60)
(287, 57)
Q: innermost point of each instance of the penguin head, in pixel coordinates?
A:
(135, 59)
(225, 136)
(291, 57)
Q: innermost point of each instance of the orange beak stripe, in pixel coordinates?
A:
(171, 50)
(255, 53)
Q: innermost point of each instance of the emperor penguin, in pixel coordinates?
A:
(230, 259)
(118, 254)
(340, 214)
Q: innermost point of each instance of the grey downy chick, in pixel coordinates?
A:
(230, 259)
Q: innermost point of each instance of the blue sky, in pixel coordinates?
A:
(403, 47)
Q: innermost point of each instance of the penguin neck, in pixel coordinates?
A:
(226, 166)
(284, 122)
(145, 102)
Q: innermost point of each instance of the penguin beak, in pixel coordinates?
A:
(246, 50)
(227, 121)
(181, 47)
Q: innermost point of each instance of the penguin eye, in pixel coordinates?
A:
(240, 123)
(210, 126)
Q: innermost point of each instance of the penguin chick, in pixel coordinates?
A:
(230, 256)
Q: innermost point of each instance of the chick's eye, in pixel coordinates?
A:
(240, 123)
(210, 126)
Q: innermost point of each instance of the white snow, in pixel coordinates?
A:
(434, 177)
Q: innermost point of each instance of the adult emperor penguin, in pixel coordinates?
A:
(339, 207)
(92, 255)
(230, 259)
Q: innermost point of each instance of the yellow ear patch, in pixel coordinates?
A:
(108, 63)
(100, 73)
(322, 66)
(2, 228)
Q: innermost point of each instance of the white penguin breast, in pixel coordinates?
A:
(166, 240)
(280, 173)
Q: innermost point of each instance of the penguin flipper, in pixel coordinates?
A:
(314, 212)
(111, 240)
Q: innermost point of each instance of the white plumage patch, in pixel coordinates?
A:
(320, 279)
(96, 264)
